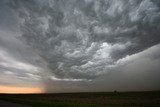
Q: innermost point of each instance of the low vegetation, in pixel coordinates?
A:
(99, 99)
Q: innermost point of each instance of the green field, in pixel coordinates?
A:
(96, 99)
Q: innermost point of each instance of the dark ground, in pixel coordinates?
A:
(88, 99)
(9, 104)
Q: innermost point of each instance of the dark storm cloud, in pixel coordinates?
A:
(19, 65)
(137, 72)
(8, 18)
(83, 39)
(80, 45)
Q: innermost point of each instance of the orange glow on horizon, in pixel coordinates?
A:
(20, 90)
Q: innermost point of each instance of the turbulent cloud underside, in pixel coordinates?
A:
(82, 39)
(79, 41)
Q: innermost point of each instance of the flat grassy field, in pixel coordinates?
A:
(95, 99)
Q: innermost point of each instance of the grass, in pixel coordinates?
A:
(97, 99)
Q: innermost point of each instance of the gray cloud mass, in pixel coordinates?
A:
(85, 42)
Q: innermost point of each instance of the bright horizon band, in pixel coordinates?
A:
(15, 90)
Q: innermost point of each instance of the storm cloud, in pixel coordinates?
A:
(85, 42)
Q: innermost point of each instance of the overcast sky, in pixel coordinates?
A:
(80, 45)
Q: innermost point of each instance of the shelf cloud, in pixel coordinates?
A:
(86, 43)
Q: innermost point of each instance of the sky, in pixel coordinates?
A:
(54, 46)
